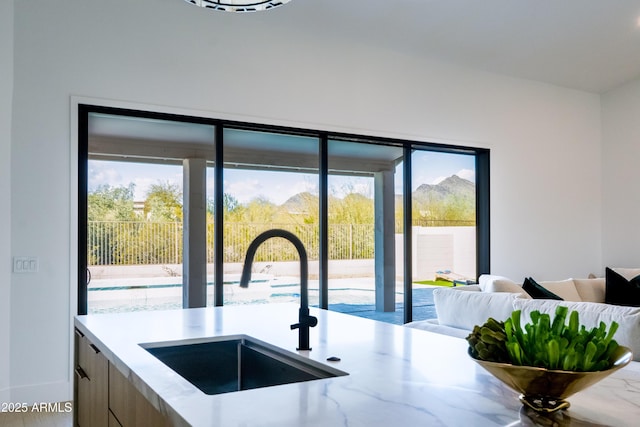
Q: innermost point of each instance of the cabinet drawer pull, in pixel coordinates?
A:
(81, 373)
(96, 349)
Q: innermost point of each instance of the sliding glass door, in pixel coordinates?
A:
(144, 180)
(168, 206)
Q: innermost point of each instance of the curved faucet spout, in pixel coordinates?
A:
(305, 320)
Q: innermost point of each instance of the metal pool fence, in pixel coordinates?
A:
(141, 243)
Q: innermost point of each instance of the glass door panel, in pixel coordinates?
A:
(145, 187)
(444, 225)
(270, 181)
(362, 247)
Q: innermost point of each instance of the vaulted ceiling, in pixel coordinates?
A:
(591, 45)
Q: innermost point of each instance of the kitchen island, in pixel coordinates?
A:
(396, 375)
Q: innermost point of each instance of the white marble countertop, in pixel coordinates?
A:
(397, 375)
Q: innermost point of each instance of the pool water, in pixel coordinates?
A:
(358, 299)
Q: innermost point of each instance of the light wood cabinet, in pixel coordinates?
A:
(91, 384)
(129, 406)
(113, 421)
(103, 396)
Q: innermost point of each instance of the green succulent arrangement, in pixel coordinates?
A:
(545, 343)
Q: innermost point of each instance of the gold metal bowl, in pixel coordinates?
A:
(545, 390)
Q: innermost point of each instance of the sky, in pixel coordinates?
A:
(428, 168)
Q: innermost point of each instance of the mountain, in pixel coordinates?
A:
(300, 203)
(453, 186)
(452, 191)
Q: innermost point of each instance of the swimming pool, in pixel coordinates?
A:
(161, 294)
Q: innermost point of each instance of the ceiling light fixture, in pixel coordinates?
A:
(239, 5)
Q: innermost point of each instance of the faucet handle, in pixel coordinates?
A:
(310, 321)
(305, 321)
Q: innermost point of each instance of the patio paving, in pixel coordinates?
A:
(423, 308)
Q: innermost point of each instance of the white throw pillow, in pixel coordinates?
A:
(565, 289)
(505, 285)
(591, 314)
(590, 290)
(485, 279)
(464, 310)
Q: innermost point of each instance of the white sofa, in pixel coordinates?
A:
(459, 309)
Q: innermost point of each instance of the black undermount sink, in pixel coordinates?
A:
(235, 363)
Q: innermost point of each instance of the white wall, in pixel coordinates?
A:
(621, 186)
(6, 99)
(545, 158)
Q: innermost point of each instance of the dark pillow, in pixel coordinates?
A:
(536, 291)
(620, 291)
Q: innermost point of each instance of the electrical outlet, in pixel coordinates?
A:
(25, 264)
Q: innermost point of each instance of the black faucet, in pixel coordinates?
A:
(305, 321)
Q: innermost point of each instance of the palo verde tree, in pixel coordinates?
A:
(163, 203)
(107, 203)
